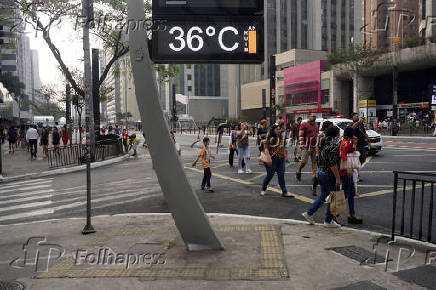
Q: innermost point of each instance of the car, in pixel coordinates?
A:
(376, 142)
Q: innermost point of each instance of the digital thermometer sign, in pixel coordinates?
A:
(219, 39)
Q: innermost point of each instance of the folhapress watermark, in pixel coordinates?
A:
(107, 257)
(40, 255)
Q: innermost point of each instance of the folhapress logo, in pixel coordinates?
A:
(38, 253)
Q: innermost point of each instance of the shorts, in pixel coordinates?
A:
(135, 145)
(306, 152)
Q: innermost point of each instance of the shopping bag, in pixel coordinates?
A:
(338, 204)
(265, 158)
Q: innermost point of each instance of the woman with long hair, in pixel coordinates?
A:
(44, 141)
(274, 146)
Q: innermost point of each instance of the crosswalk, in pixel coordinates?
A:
(39, 199)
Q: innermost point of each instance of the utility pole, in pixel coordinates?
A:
(68, 112)
(272, 88)
(86, 12)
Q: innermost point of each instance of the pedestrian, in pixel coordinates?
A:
(232, 146)
(243, 148)
(328, 176)
(2, 135)
(44, 141)
(362, 138)
(22, 137)
(307, 136)
(125, 137)
(262, 132)
(176, 145)
(56, 140)
(205, 155)
(32, 140)
(274, 146)
(295, 131)
(64, 135)
(348, 145)
(12, 139)
(117, 130)
(133, 143)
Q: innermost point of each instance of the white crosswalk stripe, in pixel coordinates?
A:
(35, 199)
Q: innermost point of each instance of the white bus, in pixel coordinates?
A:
(46, 121)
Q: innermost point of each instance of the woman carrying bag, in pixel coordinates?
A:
(273, 156)
(349, 162)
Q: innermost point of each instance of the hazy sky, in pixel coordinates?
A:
(69, 43)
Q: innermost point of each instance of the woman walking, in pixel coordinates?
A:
(348, 146)
(243, 148)
(44, 141)
(274, 146)
(56, 139)
(328, 176)
(12, 139)
(64, 135)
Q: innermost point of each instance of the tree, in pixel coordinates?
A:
(356, 59)
(109, 27)
(12, 83)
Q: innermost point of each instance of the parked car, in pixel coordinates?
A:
(342, 123)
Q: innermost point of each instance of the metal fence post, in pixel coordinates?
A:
(394, 202)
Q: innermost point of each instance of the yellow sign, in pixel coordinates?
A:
(367, 103)
(397, 40)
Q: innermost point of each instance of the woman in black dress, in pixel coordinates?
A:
(56, 139)
(44, 141)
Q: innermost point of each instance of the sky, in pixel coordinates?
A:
(69, 43)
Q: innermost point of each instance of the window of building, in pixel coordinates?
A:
(188, 66)
(189, 77)
(189, 88)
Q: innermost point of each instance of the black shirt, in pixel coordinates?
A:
(360, 133)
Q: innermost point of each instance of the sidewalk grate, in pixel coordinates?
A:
(424, 276)
(359, 254)
(8, 285)
(362, 285)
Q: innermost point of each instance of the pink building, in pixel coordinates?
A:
(302, 90)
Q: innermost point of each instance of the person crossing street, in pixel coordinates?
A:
(32, 140)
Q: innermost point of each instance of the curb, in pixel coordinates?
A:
(62, 170)
(404, 240)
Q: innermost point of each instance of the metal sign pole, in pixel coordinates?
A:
(183, 203)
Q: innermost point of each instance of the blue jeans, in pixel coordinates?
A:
(244, 154)
(349, 190)
(278, 165)
(327, 184)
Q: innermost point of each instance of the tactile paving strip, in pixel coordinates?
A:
(272, 266)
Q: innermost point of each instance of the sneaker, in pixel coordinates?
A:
(298, 176)
(308, 217)
(240, 171)
(202, 188)
(332, 225)
(249, 171)
(354, 221)
(210, 189)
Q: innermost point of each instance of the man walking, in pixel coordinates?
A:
(307, 136)
(362, 137)
(32, 140)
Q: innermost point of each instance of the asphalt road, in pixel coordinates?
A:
(132, 187)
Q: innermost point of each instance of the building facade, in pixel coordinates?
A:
(385, 23)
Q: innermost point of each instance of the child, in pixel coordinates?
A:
(205, 155)
(133, 143)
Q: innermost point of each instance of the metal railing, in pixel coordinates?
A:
(416, 206)
(74, 155)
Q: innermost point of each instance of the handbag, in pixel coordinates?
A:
(265, 158)
(352, 161)
(338, 204)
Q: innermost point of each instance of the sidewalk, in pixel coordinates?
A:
(20, 162)
(259, 254)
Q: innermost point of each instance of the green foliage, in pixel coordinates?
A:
(166, 73)
(413, 42)
(432, 38)
(12, 83)
(358, 57)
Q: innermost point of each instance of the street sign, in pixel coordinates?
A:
(209, 7)
(212, 39)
